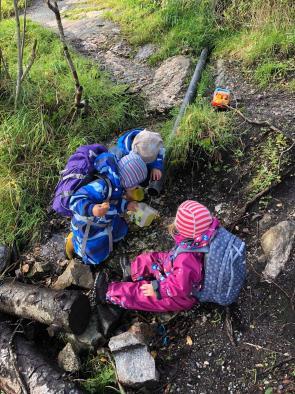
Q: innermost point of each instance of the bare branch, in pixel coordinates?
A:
(79, 89)
(19, 54)
(31, 61)
(24, 29)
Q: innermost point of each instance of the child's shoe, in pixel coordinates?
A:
(125, 267)
(100, 287)
(69, 247)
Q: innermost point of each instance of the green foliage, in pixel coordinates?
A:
(268, 162)
(269, 71)
(102, 376)
(8, 9)
(203, 130)
(36, 141)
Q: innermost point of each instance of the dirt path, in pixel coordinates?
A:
(162, 86)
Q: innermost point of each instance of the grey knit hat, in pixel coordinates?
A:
(147, 145)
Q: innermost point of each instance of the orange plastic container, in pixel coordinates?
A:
(221, 98)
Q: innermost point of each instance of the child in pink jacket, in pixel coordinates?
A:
(161, 282)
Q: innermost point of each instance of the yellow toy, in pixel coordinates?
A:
(221, 98)
(144, 215)
(137, 194)
(69, 247)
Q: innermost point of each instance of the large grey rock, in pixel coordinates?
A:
(145, 52)
(134, 364)
(277, 245)
(68, 360)
(91, 338)
(77, 274)
(165, 91)
(4, 257)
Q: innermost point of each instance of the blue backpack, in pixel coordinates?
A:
(224, 265)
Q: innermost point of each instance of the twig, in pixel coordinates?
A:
(255, 121)
(13, 356)
(290, 298)
(258, 347)
(79, 89)
(245, 207)
(31, 61)
(229, 326)
(277, 365)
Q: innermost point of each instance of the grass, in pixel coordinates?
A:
(8, 9)
(102, 376)
(203, 131)
(267, 163)
(175, 26)
(36, 140)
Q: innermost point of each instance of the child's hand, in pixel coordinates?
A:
(100, 209)
(132, 206)
(147, 290)
(156, 174)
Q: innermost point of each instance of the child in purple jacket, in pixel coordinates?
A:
(161, 282)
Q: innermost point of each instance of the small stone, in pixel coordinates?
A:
(264, 222)
(90, 339)
(218, 208)
(277, 245)
(68, 360)
(75, 274)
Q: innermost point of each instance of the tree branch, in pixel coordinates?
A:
(19, 54)
(3, 63)
(79, 89)
(31, 60)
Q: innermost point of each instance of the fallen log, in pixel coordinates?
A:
(60, 309)
(23, 370)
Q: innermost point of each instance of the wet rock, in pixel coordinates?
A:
(135, 365)
(4, 257)
(277, 245)
(77, 274)
(165, 90)
(265, 221)
(108, 318)
(145, 52)
(68, 360)
(91, 338)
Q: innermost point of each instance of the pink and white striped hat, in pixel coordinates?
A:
(132, 170)
(192, 219)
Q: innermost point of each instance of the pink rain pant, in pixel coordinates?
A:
(129, 296)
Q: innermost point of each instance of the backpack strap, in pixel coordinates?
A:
(109, 185)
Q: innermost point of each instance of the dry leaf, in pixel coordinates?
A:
(25, 268)
(103, 359)
(189, 340)
(154, 354)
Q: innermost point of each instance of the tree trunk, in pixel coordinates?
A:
(23, 370)
(60, 309)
